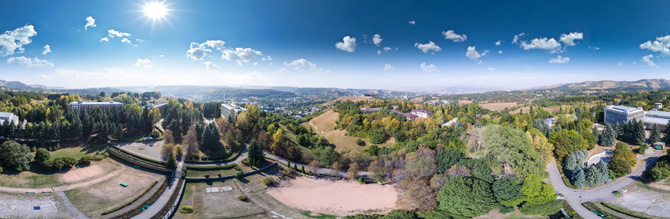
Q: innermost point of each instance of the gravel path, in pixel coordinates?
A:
(164, 198)
(74, 211)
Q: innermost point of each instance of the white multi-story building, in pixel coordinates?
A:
(88, 106)
(231, 110)
(5, 116)
(622, 114)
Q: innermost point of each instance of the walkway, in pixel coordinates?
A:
(576, 197)
(164, 198)
(74, 211)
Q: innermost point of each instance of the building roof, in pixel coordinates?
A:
(422, 111)
(653, 120)
(623, 109)
(231, 106)
(409, 116)
(6, 114)
(658, 114)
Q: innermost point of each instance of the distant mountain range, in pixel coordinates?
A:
(646, 84)
(19, 86)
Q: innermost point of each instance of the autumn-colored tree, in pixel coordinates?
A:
(416, 195)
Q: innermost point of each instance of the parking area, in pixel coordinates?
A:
(148, 149)
(642, 200)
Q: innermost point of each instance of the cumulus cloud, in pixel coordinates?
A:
(13, 40)
(412, 22)
(216, 44)
(30, 62)
(473, 54)
(559, 60)
(451, 35)
(104, 39)
(541, 43)
(661, 44)
(145, 63)
(240, 55)
(498, 43)
(388, 67)
(301, 65)
(90, 22)
(126, 40)
(46, 49)
(113, 33)
(348, 44)
(647, 60)
(500, 52)
(428, 47)
(569, 39)
(197, 51)
(377, 39)
(210, 66)
(428, 68)
(268, 58)
(516, 38)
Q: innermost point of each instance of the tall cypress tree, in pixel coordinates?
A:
(655, 135)
(638, 132)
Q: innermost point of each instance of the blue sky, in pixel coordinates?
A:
(294, 43)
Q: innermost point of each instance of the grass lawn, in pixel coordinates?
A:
(30, 179)
(215, 173)
(78, 152)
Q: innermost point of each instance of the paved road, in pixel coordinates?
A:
(576, 197)
(164, 198)
(74, 211)
(324, 171)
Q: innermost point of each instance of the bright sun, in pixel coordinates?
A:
(155, 10)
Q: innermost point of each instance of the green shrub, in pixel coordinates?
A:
(268, 181)
(98, 157)
(642, 148)
(360, 142)
(155, 134)
(542, 208)
(239, 174)
(86, 159)
(505, 209)
(186, 209)
(243, 198)
(361, 180)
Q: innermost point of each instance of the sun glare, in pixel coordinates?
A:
(155, 10)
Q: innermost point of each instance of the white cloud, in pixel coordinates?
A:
(197, 51)
(90, 22)
(348, 44)
(30, 62)
(268, 58)
(210, 66)
(46, 49)
(412, 22)
(428, 68)
(569, 39)
(428, 47)
(216, 44)
(240, 55)
(620, 64)
(104, 39)
(451, 35)
(113, 33)
(13, 40)
(388, 67)
(516, 38)
(491, 69)
(377, 39)
(647, 60)
(500, 52)
(559, 60)
(661, 44)
(301, 65)
(145, 63)
(126, 40)
(541, 43)
(498, 43)
(386, 49)
(594, 47)
(473, 54)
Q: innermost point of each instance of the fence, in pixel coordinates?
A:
(176, 202)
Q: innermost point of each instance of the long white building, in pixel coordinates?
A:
(624, 114)
(88, 106)
(5, 116)
(231, 110)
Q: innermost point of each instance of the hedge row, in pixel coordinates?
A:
(172, 200)
(151, 200)
(625, 211)
(141, 158)
(206, 160)
(131, 201)
(224, 167)
(592, 206)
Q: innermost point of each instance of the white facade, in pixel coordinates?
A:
(5, 116)
(88, 106)
(231, 110)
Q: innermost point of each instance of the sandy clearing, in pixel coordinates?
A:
(343, 99)
(334, 197)
(497, 106)
(82, 173)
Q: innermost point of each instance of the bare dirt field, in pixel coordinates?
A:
(324, 125)
(22, 206)
(150, 149)
(464, 101)
(639, 199)
(497, 106)
(79, 174)
(97, 198)
(335, 197)
(342, 99)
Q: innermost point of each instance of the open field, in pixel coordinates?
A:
(497, 106)
(78, 151)
(100, 197)
(37, 178)
(552, 109)
(225, 204)
(149, 149)
(21, 206)
(342, 99)
(645, 201)
(335, 197)
(324, 125)
(215, 173)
